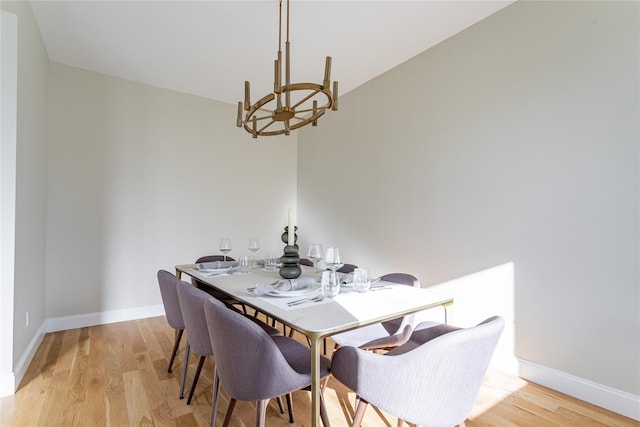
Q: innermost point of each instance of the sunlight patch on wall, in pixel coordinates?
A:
(478, 296)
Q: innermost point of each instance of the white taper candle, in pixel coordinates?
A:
(292, 229)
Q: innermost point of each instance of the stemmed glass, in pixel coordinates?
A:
(254, 246)
(315, 254)
(225, 246)
(333, 261)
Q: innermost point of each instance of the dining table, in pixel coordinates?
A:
(318, 318)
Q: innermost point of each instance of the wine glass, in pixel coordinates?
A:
(225, 246)
(254, 246)
(315, 254)
(333, 259)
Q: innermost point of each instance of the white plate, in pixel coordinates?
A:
(212, 271)
(298, 293)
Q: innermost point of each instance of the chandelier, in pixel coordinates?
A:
(289, 106)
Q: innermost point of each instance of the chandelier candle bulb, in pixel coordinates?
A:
(247, 101)
(334, 107)
(239, 119)
(327, 74)
(276, 84)
(315, 110)
(255, 127)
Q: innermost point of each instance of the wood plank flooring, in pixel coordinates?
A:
(116, 375)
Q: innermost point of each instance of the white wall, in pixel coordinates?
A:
(514, 144)
(142, 179)
(9, 82)
(30, 184)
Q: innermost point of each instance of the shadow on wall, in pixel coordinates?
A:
(478, 296)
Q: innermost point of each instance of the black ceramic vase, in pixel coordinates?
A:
(290, 260)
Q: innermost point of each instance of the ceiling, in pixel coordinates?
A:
(209, 48)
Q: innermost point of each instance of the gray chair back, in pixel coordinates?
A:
(248, 362)
(211, 258)
(169, 292)
(192, 302)
(306, 261)
(434, 384)
(347, 268)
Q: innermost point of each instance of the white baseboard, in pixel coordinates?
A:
(24, 362)
(609, 398)
(102, 318)
(7, 384)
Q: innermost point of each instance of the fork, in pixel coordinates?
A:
(317, 298)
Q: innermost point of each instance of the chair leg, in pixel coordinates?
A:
(195, 378)
(360, 408)
(227, 417)
(290, 408)
(400, 422)
(261, 412)
(187, 350)
(323, 413)
(215, 397)
(176, 345)
(280, 406)
(323, 383)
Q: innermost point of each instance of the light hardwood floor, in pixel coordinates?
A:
(116, 375)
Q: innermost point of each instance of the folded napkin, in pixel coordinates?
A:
(285, 285)
(215, 265)
(347, 279)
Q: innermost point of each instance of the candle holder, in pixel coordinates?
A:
(290, 260)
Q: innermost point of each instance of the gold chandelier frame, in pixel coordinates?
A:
(303, 104)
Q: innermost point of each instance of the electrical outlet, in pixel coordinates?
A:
(26, 319)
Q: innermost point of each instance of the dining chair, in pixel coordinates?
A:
(169, 292)
(347, 268)
(306, 261)
(214, 292)
(192, 302)
(432, 381)
(253, 366)
(384, 335)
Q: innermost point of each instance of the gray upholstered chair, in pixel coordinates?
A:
(168, 290)
(192, 302)
(347, 268)
(253, 366)
(306, 261)
(432, 380)
(385, 335)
